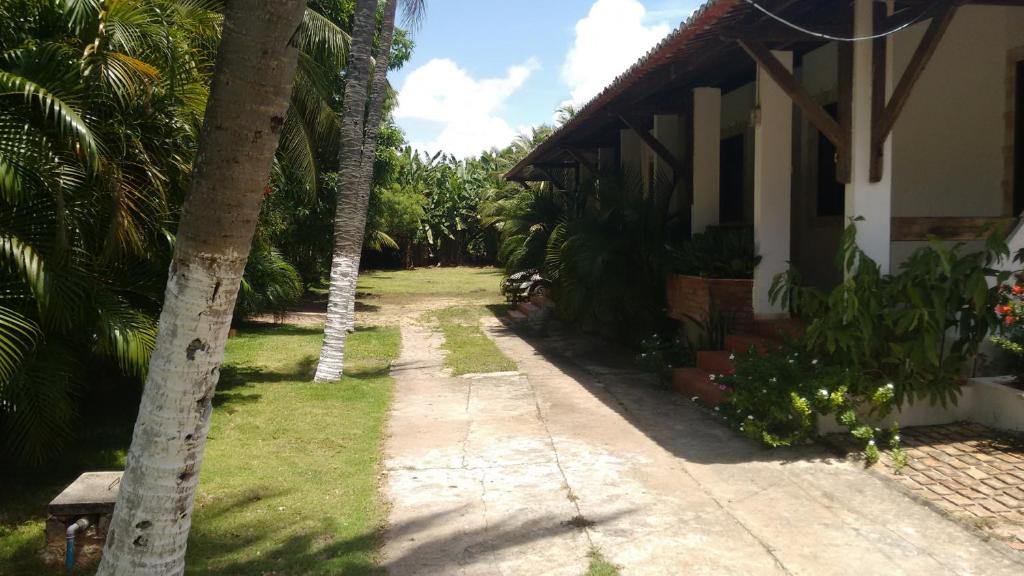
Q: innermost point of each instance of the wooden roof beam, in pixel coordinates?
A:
(817, 115)
(678, 167)
(886, 116)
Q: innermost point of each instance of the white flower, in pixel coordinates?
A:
(790, 360)
(712, 377)
(871, 442)
(795, 354)
(896, 437)
(750, 417)
(764, 391)
(694, 399)
(773, 379)
(889, 386)
(732, 356)
(823, 393)
(716, 408)
(814, 362)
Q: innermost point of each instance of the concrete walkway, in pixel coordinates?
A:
(523, 474)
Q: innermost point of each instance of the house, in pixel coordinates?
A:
(766, 113)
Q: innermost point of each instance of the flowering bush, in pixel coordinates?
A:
(1010, 311)
(660, 353)
(777, 397)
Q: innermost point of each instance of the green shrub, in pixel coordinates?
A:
(871, 344)
(720, 252)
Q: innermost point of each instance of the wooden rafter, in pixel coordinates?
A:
(678, 167)
(583, 160)
(885, 116)
(817, 115)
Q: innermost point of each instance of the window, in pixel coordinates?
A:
(730, 198)
(831, 194)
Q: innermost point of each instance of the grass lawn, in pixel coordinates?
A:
(467, 349)
(289, 481)
(462, 281)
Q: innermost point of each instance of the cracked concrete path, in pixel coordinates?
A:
(522, 474)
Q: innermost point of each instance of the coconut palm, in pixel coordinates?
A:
(100, 109)
(360, 125)
(248, 102)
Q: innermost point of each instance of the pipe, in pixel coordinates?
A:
(69, 547)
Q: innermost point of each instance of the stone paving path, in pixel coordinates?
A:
(523, 474)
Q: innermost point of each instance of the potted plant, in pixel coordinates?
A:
(713, 277)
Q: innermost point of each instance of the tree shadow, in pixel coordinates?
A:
(688, 431)
(414, 549)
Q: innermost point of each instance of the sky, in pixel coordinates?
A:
(483, 72)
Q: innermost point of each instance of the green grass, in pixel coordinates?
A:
(289, 481)
(600, 566)
(462, 281)
(467, 349)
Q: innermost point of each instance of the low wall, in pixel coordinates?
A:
(987, 401)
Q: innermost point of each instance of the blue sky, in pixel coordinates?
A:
(484, 71)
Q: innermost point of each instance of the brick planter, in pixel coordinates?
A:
(694, 382)
(691, 299)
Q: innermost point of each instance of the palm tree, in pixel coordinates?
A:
(359, 137)
(101, 104)
(248, 101)
(99, 110)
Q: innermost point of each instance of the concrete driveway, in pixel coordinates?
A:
(525, 473)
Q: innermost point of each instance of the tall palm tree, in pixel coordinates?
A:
(360, 125)
(248, 101)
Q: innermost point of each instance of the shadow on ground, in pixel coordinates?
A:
(678, 425)
(316, 550)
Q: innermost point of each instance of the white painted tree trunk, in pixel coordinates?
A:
(248, 100)
(350, 217)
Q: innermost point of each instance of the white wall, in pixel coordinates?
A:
(948, 141)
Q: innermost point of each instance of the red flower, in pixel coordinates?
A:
(1018, 289)
(1009, 320)
(1003, 309)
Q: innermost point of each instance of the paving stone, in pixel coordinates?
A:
(978, 511)
(1008, 501)
(993, 506)
(975, 473)
(940, 489)
(994, 483)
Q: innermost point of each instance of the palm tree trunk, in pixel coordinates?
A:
(353, 200)
(251, 85)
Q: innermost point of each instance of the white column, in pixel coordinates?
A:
(707, 142)
(668, 130)
(773, 167)
(864, 198)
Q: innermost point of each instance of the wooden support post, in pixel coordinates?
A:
(885, 114)
(655, 145)
(817, 115)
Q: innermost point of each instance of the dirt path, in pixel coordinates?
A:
(524, 474)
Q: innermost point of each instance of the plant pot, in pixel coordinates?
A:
(695, 299)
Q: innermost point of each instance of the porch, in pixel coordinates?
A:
(915, 128)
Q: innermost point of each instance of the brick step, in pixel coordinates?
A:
(716, 362)
(692, 382)
(742, 343)
(516, 316)
(527, 309)
(779, 329)
(542, 302)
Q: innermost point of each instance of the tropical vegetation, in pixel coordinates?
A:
(874, 343)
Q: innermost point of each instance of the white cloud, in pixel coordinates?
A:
(608, 40)
(440, 91)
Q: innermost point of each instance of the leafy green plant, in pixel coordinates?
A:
(607, 264)
(660, 353)
(776, 397)
(720, 252)
(919, 328)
